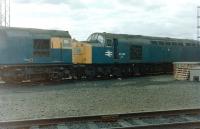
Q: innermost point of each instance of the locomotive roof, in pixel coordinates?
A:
(130, 37)
(32, 32)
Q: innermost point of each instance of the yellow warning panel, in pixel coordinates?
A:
(56, 42)
(81, 53)
(60, 43)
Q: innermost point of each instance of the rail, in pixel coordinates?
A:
(174, 119)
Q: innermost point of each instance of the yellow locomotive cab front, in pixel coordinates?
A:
(81, 53)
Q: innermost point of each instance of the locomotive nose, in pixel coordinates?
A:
(82, 53)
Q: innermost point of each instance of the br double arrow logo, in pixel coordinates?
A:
(108, 53)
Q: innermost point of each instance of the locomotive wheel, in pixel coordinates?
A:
(125, 72)
(100, 71)
(107, 72)
(136, 71)
(76, 74)
(116, 72)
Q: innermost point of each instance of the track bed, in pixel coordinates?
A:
(176, 119)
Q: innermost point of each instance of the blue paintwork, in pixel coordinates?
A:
(98, 55)
(67, 56)
(168, 54)
(16, 47)
(61, 56)
(154, 49)
(150, 53)
(14, 50)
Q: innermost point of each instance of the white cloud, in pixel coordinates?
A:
(83, 17)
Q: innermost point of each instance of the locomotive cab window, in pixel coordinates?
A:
(100, 39)
(108, 43)
(91, 38)
(66, 43)
(96, 38)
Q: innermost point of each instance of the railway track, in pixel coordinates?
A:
(175, 119)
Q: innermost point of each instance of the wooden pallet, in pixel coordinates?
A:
(182, 72)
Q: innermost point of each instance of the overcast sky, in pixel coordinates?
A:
(172, 18)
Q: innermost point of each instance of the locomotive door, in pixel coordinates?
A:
(56, 50)
(115, 49)
(41, 51)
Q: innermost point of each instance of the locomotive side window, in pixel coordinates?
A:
(188, 44)
(41, 47)
(193, 44)
(168, 43)
(154, 42)
(136, 52)
(180, 44)
(41, 44)
(108, 42)
(161, 43)
(174, 43)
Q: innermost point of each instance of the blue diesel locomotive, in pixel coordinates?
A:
(123, 55)
(36, 54)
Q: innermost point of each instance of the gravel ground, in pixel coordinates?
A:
(97, 97)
